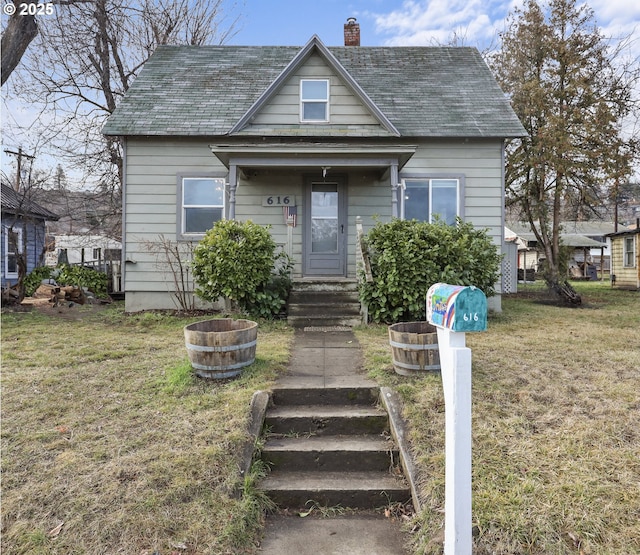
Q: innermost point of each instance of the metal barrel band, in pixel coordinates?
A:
(221, 348)
(415, 366)
(413, 346)
(236, 366)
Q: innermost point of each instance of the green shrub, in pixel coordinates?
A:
(237, 260)
(34, 279)
(68, 275)
(407, 257)
(83, 277)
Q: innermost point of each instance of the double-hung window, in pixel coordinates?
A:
(202, 204)
(314, 100)
(12, 248)
(629, 252)
(426, 199)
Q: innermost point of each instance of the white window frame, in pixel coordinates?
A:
(324, 101)
(430, 179)
(8, 251)
(182, 207)
(629, 254)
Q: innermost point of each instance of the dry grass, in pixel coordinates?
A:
(106, 432)
(556, 427)
(111, 445)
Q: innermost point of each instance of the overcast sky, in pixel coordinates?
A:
(382, 23)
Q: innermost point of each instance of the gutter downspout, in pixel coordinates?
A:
(393, 176)
(123, 238)
(233, 185)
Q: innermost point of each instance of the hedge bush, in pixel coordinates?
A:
(408, 256)
(64, 274)
(91, 279)
(238, 261)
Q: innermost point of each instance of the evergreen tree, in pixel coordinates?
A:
(572, 93)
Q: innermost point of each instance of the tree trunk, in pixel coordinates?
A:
(20, 31)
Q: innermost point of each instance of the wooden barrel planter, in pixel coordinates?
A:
(415, 348)
(222, 347)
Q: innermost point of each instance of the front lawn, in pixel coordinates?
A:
(110, 445)
(556, 426)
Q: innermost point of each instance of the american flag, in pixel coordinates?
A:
(290, 212)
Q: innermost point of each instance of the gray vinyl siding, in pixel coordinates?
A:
(346, 112)
(480, 161)
(150, 195)
(151, 199)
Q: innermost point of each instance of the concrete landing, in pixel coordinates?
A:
(325, 359)
(329, 359)
(353, 535)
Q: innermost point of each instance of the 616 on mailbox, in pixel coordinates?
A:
(457, 307)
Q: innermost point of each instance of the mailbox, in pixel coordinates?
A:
(457, 307)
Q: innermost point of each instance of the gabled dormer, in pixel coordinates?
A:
(315, 96)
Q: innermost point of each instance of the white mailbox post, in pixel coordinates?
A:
(455, 310)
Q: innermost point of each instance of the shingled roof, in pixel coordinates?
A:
(422, 91)
(20, 205)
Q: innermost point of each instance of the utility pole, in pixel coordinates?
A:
(19, 156)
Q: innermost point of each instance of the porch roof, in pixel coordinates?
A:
(313, 155)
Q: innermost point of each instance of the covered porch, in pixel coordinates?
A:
(310, 195)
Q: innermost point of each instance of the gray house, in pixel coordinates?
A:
(306, 140)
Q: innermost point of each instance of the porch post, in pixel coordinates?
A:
(233, 185)
(393, 176)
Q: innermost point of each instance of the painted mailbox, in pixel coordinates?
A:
(454, 310)
(457, 307)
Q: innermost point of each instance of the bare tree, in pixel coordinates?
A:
(84, 60)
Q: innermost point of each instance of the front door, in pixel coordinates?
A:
(325, 228)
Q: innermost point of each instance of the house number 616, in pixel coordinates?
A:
(470, 316)
(278, 200)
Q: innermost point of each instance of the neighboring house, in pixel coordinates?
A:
(587, 239)
(88, 250)
(306, 140)
(23, 231)
(625, 257)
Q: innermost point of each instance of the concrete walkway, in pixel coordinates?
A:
(329, 358)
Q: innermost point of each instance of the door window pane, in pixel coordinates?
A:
(324, 218)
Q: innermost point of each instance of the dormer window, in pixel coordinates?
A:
(314, 100)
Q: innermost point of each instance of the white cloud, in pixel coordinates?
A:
(478, 22)
(419, 22)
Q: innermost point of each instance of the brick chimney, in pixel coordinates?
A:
(352, 32)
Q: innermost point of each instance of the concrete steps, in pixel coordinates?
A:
(331, 446)
(317, 302)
